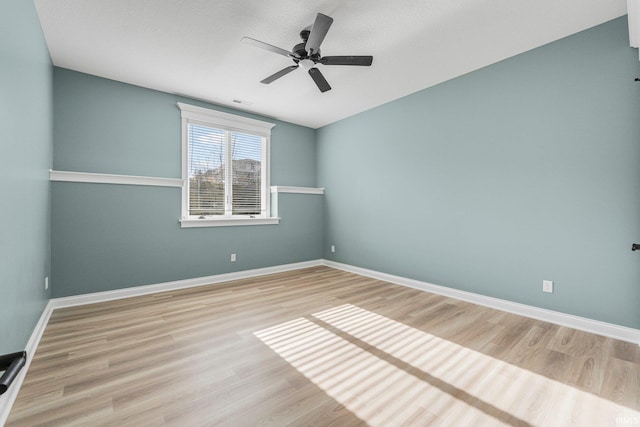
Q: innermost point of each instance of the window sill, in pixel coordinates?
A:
(227, 222)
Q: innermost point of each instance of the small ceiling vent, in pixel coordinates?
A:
(241, 101)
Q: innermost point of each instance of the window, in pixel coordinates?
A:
(225, 169)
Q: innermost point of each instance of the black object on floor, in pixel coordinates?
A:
(11, 365)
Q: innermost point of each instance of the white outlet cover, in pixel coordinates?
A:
(547, 286)
(233, 257)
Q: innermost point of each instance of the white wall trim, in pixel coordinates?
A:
(105, 178)
(298, 190)
(610, 330)
(96, 297)
(633, 12)
(9, 397)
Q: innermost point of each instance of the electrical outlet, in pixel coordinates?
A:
(547, 286)
(333, 248)
(233, 257)
(46, 283)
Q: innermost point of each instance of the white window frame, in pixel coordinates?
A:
(232, 123)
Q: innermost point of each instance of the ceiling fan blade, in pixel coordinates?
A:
(318, 32)
(347, 60)
(279, 74)
(269, 47)
(321, 82)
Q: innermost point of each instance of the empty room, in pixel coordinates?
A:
(321, 213)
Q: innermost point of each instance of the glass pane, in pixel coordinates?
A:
(247, 172)
(206, 170)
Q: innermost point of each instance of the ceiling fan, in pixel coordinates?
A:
(307, 54)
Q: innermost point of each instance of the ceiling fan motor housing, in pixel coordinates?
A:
(299, 50)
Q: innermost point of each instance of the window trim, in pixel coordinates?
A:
(227, 222)
(233, 123)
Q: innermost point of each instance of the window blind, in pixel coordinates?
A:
(207, 159)
(225, 172)
(246, 175)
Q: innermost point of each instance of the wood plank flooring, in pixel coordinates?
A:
(320, 347)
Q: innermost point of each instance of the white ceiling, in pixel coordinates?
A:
(193, 48)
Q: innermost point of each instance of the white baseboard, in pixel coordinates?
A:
(7, 399)
(178, 284)
(610, 330)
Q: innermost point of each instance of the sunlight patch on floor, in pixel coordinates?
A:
(388, 373)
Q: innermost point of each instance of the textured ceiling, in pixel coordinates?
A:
(193, 48)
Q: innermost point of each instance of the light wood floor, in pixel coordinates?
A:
(321, 347)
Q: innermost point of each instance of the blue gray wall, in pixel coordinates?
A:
(526, 170)
(25, 160)
(107, 237)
